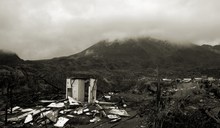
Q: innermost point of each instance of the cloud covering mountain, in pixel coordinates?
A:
(48, 28)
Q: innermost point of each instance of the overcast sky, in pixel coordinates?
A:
(40, 29)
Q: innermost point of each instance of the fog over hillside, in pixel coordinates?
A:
(110, 63)
(46, 29)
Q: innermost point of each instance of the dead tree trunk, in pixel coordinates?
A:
(10, 96)
(158, 90)
(6, 103)
(6, 114)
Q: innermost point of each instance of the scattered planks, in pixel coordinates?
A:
(23, 116)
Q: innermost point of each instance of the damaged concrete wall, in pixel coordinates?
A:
(75, 88)
(92, 91)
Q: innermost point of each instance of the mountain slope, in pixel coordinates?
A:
(119, 63)
(145, 53)
(9, 58)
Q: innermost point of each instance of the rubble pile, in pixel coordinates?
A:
(65, 113)
(177, 105)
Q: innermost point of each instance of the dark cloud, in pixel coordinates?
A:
(39, 29)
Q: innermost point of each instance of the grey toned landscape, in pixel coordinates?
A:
(110, 64)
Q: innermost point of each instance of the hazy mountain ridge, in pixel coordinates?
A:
(130, 54)
(121, 62)
(145, 53)
(9, 58)
(215, 48)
